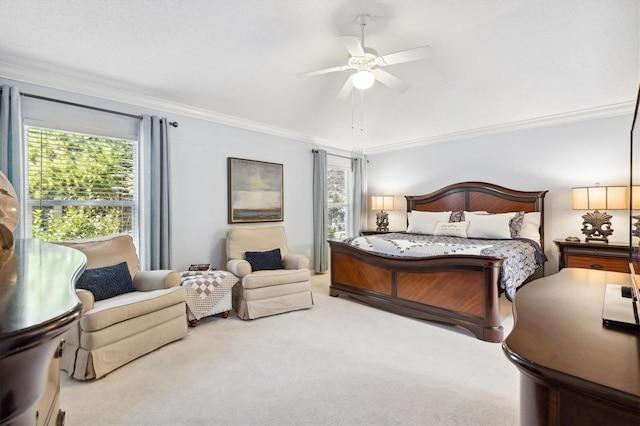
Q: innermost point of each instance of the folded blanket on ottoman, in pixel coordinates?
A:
(205, 289)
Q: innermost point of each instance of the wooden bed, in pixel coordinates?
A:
(455, 289)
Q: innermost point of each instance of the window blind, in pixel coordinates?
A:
(80, 185)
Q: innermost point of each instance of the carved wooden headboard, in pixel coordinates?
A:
(474, 196)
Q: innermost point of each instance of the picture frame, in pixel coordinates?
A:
(255, 191)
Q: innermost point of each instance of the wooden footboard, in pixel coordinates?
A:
(453, 289)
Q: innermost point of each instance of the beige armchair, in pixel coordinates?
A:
(282, 281)
(116, 330)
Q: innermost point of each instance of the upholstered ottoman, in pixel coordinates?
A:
(208, 293)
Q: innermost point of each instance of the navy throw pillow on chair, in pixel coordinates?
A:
(106, 282)
(264, 260)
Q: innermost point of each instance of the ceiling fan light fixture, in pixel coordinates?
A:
(363, 79)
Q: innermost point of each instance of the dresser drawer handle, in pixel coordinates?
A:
(596, 266)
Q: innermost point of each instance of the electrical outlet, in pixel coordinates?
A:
(308, 252)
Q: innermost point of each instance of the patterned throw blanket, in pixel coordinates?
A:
(205, 289)
(522, 256)
(414, 248)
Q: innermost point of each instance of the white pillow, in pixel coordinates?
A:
(531, 226)
(452, 229)
(425, 222)
(489, 225)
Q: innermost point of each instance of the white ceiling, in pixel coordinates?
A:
(494, 65)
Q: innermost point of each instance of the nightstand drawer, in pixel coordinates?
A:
(612, 257)
(600, 263)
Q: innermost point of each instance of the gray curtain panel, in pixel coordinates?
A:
(155, 223)
(358, 166)
(320, 211)
(11, 153)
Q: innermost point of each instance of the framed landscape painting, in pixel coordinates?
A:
(255, 191)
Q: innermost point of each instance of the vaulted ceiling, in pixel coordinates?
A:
(494, 65)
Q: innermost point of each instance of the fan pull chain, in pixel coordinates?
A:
(361, 110)
(352, 108)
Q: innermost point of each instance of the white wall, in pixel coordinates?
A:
(199, 151)
(554, 158)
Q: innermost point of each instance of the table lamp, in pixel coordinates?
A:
(382, 203)
(596, 226)
(635, 205)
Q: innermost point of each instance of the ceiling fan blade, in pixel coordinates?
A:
(353, 45)
(325, 71)
(390, 80)
(416, 54)
(346, 89)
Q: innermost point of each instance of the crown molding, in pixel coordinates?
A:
(545, 121)
(104, 89)
(83, 85)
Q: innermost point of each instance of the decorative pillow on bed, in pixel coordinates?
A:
(264, 260)
(425, 222)
(452, 229)
(106, 282)
(460, 214)
(489, 225)
(457, 216)
(530, 226)
(516, 224)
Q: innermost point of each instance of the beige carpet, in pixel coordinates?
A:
(340, 363)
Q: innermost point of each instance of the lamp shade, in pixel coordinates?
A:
(617, 197)
(600, 198)
(363, 79)
(382, 202)
(635, 197)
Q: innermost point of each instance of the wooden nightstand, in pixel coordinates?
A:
(602, 256)
(374, 232)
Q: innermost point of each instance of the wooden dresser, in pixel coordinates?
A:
(574, 371)
(594, 255)
(37, 305)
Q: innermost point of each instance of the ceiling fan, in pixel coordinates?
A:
(366, 62)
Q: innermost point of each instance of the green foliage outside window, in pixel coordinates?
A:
(75, 223)
(80, 186)
(337, 203)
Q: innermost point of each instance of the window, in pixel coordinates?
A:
(79, 185)
(340, 201)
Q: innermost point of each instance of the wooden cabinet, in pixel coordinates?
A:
(48, 410)
(600, 256)
(37, 305)
(574, 371)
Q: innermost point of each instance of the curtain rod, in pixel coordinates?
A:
(44, 98)
(334, 155)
